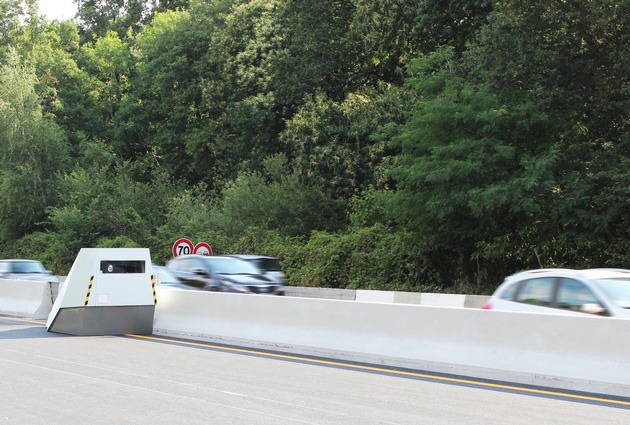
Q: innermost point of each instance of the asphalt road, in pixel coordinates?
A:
(48, 378)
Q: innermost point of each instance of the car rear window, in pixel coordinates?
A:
(536, 291)
(508, 293)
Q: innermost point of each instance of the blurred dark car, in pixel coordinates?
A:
(25, 270)
(222, 274)
(268, 266)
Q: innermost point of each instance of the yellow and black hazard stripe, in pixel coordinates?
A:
(87, 297)
(153, 287)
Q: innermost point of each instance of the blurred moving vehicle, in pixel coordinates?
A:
(164, 277)
(223, 274)
(268, 266)
(25, 270)
(603, 292)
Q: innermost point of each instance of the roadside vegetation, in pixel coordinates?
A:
(414, 145)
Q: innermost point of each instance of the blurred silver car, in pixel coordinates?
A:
(222, 274)
(163, 277)
(25, 270)
(268, 266)
(603, 292)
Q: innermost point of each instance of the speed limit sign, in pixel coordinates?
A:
(202, 248)
(182, 247)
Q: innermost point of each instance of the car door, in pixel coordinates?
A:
(187, 269)
(573, 295)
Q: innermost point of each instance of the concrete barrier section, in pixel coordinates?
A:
(410, 298)
(443, 300)
(375, 296)
(390, 297)
(326, 293)
(25, 298)
(8, 297)
(475, 301)
(576, 353)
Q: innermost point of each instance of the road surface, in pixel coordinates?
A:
(48, 379)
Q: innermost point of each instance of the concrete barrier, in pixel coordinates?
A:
(422, 298)
(326, 293)
(575, 353)
(396, 297)
(377, 296)
(25, 298)
(391, 297)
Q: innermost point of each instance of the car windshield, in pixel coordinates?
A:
(28, 267)
(618, 290)
(268, 264)
(231, 266)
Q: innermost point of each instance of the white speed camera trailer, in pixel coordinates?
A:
(109, 291)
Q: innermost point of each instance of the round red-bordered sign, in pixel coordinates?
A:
(182, 247)
(203, 248)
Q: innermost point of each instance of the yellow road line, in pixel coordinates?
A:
(17, 319)
(391, 371)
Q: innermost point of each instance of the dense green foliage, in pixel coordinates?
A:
(406, 145)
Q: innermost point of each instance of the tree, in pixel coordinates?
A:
(69, 83)
(331, 142)
(33, 152)
(453, 23)
(101, 202)
(67, 89)
(243, 118)
(391, 32)
(165, 5)
(10, 13)
(274, 200)
(320, 53)
(507, 161)
(163, 108)
(98, 17)
(111, 64)
(571, 58)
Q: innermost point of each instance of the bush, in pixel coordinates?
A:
(376, 258)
